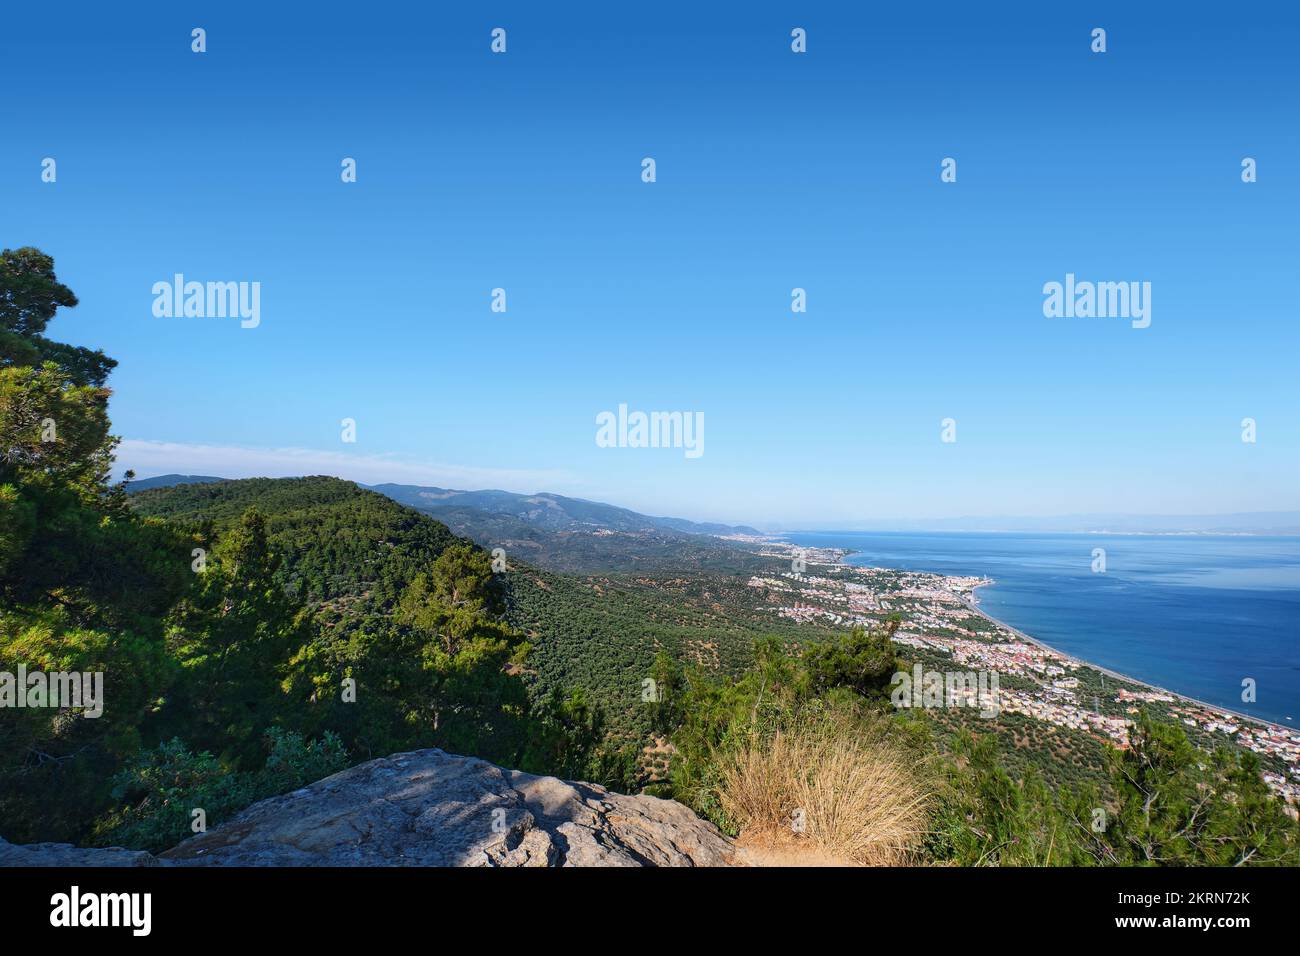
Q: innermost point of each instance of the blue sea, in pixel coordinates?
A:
(1193, 613)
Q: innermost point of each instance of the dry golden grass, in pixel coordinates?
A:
(861, 796)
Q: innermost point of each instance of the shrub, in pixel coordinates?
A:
(845, 785)
(163, 787)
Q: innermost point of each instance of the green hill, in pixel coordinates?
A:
(335, 538)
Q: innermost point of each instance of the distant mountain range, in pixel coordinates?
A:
(552, 531)
(550, 512)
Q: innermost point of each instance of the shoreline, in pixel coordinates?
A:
(1178, 696)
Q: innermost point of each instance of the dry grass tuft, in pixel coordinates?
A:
(863, 799)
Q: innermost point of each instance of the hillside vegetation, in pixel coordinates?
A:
(335, 539)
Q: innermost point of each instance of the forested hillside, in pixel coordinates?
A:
(335, 538)
(592, 551)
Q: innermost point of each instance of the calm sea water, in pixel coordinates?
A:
(1193, 613)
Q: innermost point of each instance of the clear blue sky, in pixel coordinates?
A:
(775, 170)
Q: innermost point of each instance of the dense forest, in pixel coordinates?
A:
(259, 634)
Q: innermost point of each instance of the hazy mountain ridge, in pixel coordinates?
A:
(550, 511)
(550, 531)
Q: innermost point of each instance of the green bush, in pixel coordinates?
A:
(163, 787)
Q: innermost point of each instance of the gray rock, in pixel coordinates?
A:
(65, 854)
(430, 808)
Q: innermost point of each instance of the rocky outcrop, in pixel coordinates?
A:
(65, 854)
(430, 808)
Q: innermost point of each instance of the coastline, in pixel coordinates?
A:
(1183, 698)
(1217, 708)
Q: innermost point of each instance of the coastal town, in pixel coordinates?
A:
(940, 619)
